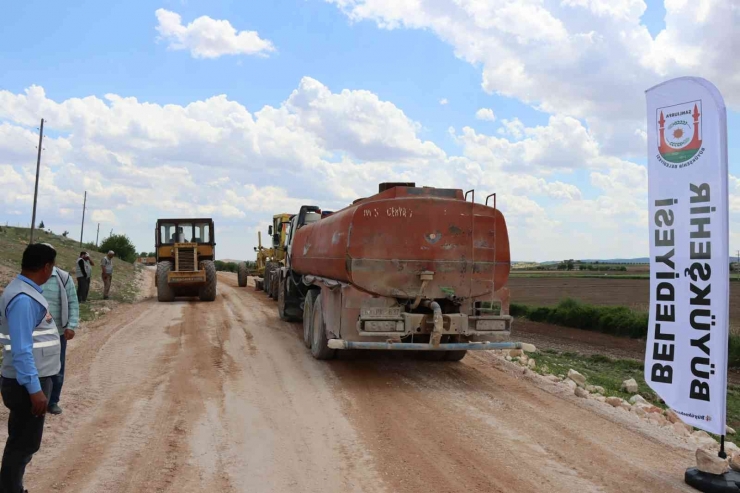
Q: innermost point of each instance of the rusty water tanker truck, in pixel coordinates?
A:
(409, 268)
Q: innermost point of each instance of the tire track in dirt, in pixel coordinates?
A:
(307, 445)
(189, 397)
(481, 426)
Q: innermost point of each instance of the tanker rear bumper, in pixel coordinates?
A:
(412, 346)
(374, 322)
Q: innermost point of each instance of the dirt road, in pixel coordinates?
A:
(223, 397)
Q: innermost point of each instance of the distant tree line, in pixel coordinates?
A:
(570, 264)
(233, 266)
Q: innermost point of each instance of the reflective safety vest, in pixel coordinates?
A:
(62, 280)
(78, 271)
(46, 345)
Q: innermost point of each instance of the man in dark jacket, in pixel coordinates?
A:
(83, 270)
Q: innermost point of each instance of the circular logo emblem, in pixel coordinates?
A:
(679, 134)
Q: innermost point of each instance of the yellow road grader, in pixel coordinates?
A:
(268, 259)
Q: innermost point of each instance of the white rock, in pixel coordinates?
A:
(702, 434)
(657, 419)
(523, 359)
(552, 378)
(532, 364)
(730, 431)
(600, 389)
(581, 392)
(731, 448)
(735, 462)
(639, 411)
(508, 358)
(672, 416)
(687, 428)
(709, 462)
(681, 430)
(579, 379)
(630, 386)
(649, 408)
(599, 398)
(637, 398)
(614, 401)
(591, 388)
(571, 385)
(625, 405)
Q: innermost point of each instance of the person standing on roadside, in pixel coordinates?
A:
(107, 266)
(31, 350)
(59, 292)
(83, 270)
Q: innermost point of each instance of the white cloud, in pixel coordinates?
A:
(485, 114)
(104, 216)
(209, 38)
(590, 59)
(563, 145)
(139, 161)
(443, 101)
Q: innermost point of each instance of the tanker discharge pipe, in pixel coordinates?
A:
(436, 336)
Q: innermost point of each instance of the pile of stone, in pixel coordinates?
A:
(576, 383)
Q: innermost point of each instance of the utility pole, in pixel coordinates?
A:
(36, 189)
(82, 228)
(97, 235)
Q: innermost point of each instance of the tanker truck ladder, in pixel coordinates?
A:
(491, 308)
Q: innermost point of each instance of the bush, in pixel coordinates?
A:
(733, 353)
(226, 266)
(615, 320)
(120, 244)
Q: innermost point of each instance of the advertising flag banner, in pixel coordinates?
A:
(686, 352)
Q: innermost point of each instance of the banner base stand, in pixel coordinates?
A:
(713, 483)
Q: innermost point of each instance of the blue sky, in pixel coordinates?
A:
(90, 49)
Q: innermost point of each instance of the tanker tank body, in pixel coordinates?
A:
(409, 268)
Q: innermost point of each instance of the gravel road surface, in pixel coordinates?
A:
(223, 397)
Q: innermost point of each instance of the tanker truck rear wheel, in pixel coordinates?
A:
(281, 300)
(319, 343)
(456, 355)
(308, 317)
(268, 281)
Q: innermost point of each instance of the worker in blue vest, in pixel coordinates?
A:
(61, 295)
(31, 348)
